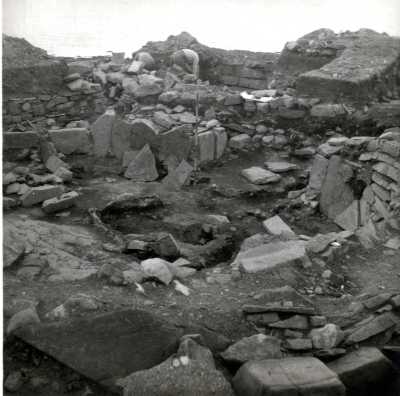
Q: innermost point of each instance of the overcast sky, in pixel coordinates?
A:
(90, 27)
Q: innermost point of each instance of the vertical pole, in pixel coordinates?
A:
(196, 132)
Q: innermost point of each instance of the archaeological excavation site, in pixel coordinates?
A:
(185, 220)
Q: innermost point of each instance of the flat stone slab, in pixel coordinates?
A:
(373, 327)
(280, 166)
(113, 345)
(106, 347)
(257, 175)
(306, 376)
(268, 256)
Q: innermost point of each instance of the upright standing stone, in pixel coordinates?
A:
(178, 177)
(336, 193)
(206, 146)
(120, 137)
(143, 132)
(101, 132)
(318, 173)
(143, 167)
(221, 140)
(176, 142)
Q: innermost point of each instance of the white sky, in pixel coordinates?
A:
(92, 27)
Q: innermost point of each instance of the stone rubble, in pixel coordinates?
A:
(132, 125)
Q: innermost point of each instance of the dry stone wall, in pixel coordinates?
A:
(64, 106)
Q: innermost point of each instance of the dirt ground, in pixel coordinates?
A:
(214, 301)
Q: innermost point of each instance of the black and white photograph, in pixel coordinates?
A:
(200, 198)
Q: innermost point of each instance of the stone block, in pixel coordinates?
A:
(287, 377)
(71, 140)
(39, 194)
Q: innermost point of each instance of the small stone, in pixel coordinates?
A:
(240, 142)
(327, 274)
(13, 381)
(157, 268)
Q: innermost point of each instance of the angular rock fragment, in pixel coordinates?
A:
(276, 226)
(178, 177)
(53, 163)
(60, 203)
(373, 327)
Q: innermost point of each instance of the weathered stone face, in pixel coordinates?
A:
(336, 193)
(306, 376)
